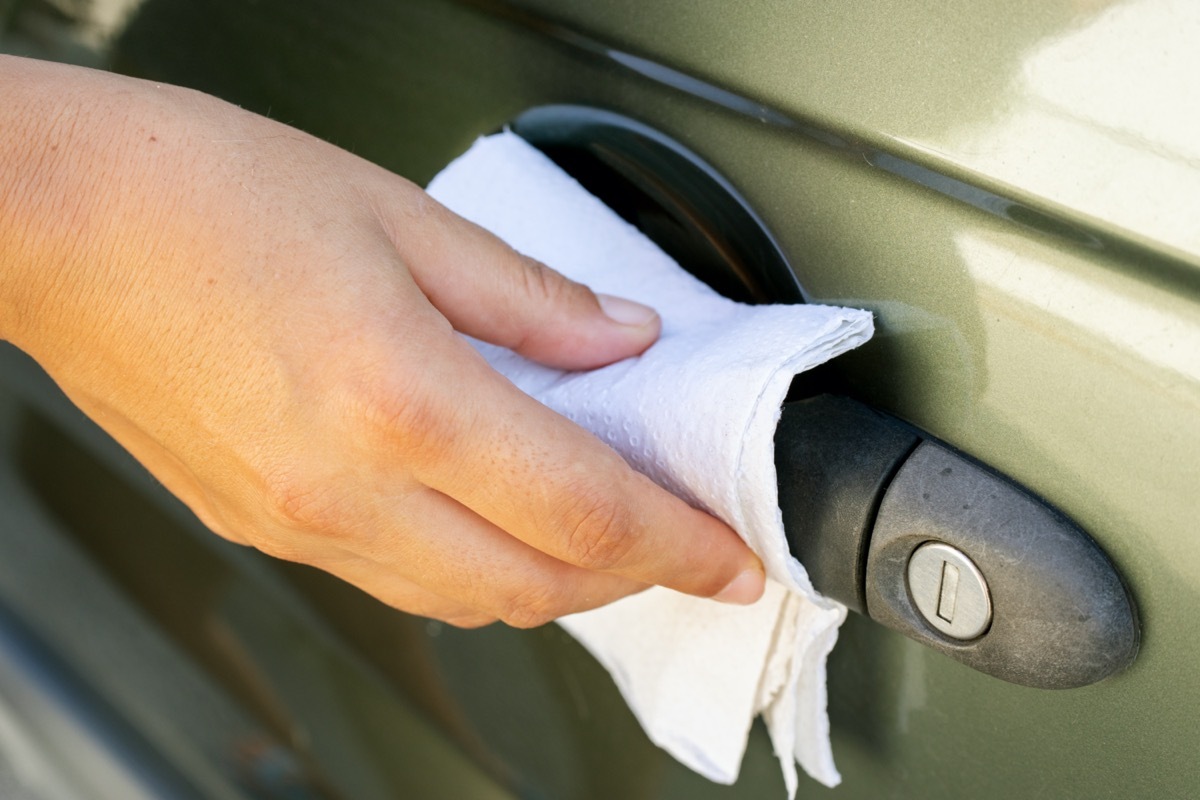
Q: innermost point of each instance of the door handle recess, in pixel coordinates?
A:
(902, 528)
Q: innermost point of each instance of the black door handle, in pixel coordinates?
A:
(904, 529)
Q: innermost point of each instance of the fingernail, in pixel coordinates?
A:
(743, 590)
(626, 312)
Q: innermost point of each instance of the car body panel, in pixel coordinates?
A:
(1009, 187)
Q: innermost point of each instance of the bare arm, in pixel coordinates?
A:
(268, 324)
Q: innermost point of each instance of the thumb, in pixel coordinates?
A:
(491, 292)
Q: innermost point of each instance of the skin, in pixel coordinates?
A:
(268, 323)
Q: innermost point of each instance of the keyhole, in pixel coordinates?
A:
(949, 591)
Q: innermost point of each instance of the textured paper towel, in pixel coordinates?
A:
(697, 413)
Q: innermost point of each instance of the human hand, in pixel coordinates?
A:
(268, 324)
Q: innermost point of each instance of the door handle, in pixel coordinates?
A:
(921, 538)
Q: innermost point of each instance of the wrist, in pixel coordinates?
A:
(45, 192)
(69, 177)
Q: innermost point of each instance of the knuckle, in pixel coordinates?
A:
(541, 283)
(295, 505)
(537, 280)
(599, 532)
(303, 505)
(533, 607)
(409, 417)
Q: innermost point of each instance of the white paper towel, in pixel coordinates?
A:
(697, 413)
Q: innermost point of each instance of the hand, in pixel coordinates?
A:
(268, 323)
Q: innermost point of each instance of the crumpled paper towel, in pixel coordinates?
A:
(697, 413)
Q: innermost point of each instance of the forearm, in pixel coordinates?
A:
(83, 192)
(58, 140)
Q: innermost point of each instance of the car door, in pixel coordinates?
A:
(1008, 187)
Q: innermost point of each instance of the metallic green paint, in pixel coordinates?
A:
(1011, 187)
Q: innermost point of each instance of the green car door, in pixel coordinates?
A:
(1011, 188)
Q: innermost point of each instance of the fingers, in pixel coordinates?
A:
(489, 291)
(561, 491)
(456, 553)
(424, 553)
(524, 468)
